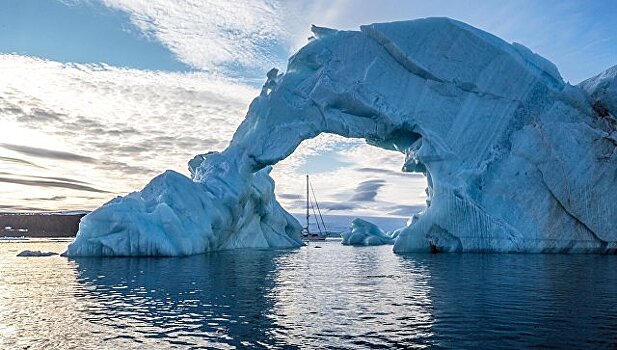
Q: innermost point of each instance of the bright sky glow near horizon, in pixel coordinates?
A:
(99, 96)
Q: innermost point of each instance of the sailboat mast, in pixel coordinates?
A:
(307, 205)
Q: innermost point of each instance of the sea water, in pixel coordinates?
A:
(324, 295)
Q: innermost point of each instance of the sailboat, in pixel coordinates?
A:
(307, 235)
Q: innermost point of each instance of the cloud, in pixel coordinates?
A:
(48, 153)
(42, 183)
(54, 198)
(113, 127)
(237, 37)
(289, 196)
(339, 206)
(367, 191)
(18, 161)
(62, 179)
(20, 207)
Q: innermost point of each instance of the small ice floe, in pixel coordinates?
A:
(29, 253)
(364, 233)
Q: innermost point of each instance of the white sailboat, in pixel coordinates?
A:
(307, 234)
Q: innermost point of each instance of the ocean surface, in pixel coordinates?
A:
(324, 295)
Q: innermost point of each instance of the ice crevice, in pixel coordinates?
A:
(579, 222)
(511, 152)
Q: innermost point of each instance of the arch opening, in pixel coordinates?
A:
(351, 179)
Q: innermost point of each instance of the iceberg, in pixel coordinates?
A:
(364, 233)
(516, 159)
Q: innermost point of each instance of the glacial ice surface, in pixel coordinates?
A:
(516, 159)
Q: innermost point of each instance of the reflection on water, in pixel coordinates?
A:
(330, 297)
(221, 297)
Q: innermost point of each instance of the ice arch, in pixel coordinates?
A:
(517, 160)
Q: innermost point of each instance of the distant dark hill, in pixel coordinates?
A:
(45, 224)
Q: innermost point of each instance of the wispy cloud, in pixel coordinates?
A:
(235, 36)
(18, 161)
(112, 127)
(47, 153)
(367, 191)
(51, 183)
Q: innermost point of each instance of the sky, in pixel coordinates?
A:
(99, 96)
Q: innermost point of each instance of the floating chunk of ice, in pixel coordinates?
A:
(35, 253)
(364, 233)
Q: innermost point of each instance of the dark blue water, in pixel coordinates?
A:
(333, 297)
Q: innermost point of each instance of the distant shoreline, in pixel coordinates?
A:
(58, 224)
(40, 224)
